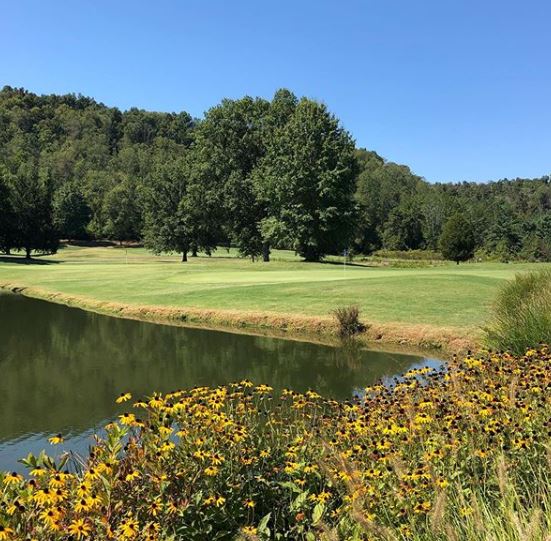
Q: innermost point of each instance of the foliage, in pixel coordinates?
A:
(307, 179)
(262, 174)
(348, 319)
(459, 453)
(71, 213)
(31, 225)
(522, 312)
(457, 241)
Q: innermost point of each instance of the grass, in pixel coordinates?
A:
(522, 312)
(450, 298)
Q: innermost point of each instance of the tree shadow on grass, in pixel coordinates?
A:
(348, 264)
(21, 260)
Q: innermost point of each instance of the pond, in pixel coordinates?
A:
(61, 369)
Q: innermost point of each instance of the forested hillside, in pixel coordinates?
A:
(252, 173)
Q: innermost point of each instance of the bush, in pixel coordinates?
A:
(522, 313)
(457, 241)
(348, 320)
(448, 454)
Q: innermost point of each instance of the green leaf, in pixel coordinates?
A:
(319, 509)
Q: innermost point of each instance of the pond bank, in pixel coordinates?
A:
(291, 326)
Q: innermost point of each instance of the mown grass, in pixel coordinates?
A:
(444, 296)
(455, 454)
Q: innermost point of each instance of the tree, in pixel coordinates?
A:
(123, 217)
(457, 242)
(70, 211)
(175, 210)
(308, 179)
(229, 143)
(403, 229)
(7, 216)
(32, 207)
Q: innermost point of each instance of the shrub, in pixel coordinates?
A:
(348, 320)
(522, 313)
(457, 241)
(441, 454)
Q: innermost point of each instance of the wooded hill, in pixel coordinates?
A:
(252, 173)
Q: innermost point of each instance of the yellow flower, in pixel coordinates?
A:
(249, 503)
(5, 533)
(79, 528)
(51, 517)
(12, 478)
(56, 440)
(123, 397)
(129, 528)
(132, 475)
(249, 530)
(39, 471)
(211, 471)
(220, 501)
(127, 419)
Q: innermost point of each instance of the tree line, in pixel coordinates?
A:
(252, 173)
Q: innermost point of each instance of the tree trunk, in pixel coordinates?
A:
(457, 261)
(194, 251)
(311, 255)
(266, 252)
(184, 256)
(27, 253)
(8, 251)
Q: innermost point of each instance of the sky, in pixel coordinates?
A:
(456, 89)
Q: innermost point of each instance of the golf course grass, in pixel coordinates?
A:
(425, 305)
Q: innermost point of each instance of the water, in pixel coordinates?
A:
(61, 369)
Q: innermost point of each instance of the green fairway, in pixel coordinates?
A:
(441, 296)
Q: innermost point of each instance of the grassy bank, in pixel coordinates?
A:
(442, 305)
(441, 456)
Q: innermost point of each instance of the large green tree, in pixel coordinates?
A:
(308, 179)
(32, 207)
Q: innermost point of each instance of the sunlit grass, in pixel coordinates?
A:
(448, 295)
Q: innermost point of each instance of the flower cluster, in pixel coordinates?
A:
(239, 460)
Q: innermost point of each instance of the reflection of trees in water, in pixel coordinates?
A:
(61, 367)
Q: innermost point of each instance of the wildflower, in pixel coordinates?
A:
(127, 418)
(211, 471)
(56, 440)
(79, 528)
(249, 503)
(51, 517)
(155, 507)
(249, 530)
(12, 478)
(132, 476)
(123, 397)
(5, 532)
(128, 528)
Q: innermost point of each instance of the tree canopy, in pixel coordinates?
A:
(252, 173)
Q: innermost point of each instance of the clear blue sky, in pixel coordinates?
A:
(456, 89)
